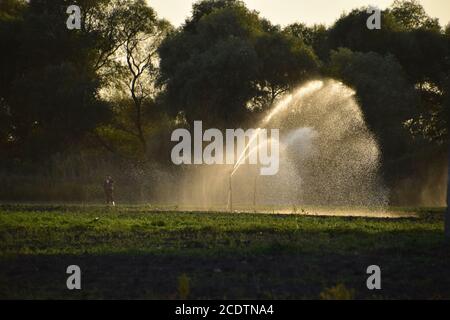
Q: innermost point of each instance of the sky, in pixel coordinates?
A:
(284, 12)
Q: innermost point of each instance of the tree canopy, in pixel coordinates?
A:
(225, 63)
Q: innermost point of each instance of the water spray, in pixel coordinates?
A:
(329, 156)
(282, 105)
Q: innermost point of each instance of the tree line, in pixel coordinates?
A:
(123, 82)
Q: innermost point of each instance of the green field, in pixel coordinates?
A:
(138, 252)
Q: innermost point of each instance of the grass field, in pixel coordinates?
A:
(137, 252)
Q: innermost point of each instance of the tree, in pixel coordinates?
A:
(284, 62)
(408, 33)
(421, 48)
(350, 31)
(226, 63)
(132, 88)
(49, 94)
(11, 19)
(411, 15)
(433, 124)
(68, 73)
(315, 36)
(211, 63)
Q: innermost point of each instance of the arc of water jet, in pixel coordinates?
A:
(281, 105)
(245, 158)
(253, 150)
(242, 156)
(311, 87)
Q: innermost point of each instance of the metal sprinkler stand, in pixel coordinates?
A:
(254, 194)
(230, 193)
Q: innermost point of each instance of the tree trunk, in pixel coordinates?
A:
(447, 214)
(138, 106)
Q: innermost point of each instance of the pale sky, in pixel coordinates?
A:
(284, 12)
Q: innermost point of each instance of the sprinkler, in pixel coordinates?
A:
(254, 194)
(230, 193)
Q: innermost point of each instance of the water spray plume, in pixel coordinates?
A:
(328, 157)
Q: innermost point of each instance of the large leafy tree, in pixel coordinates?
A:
(411, 15)
(421, 47)
(132, 69)
(425, 52)
(226, 62)
(11, 21)
(350, 31)
(65, 74)
(315, 36)
(413, 37)
(49, 92)
(284, 61)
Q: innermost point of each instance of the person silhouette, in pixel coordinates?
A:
(108, 186)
